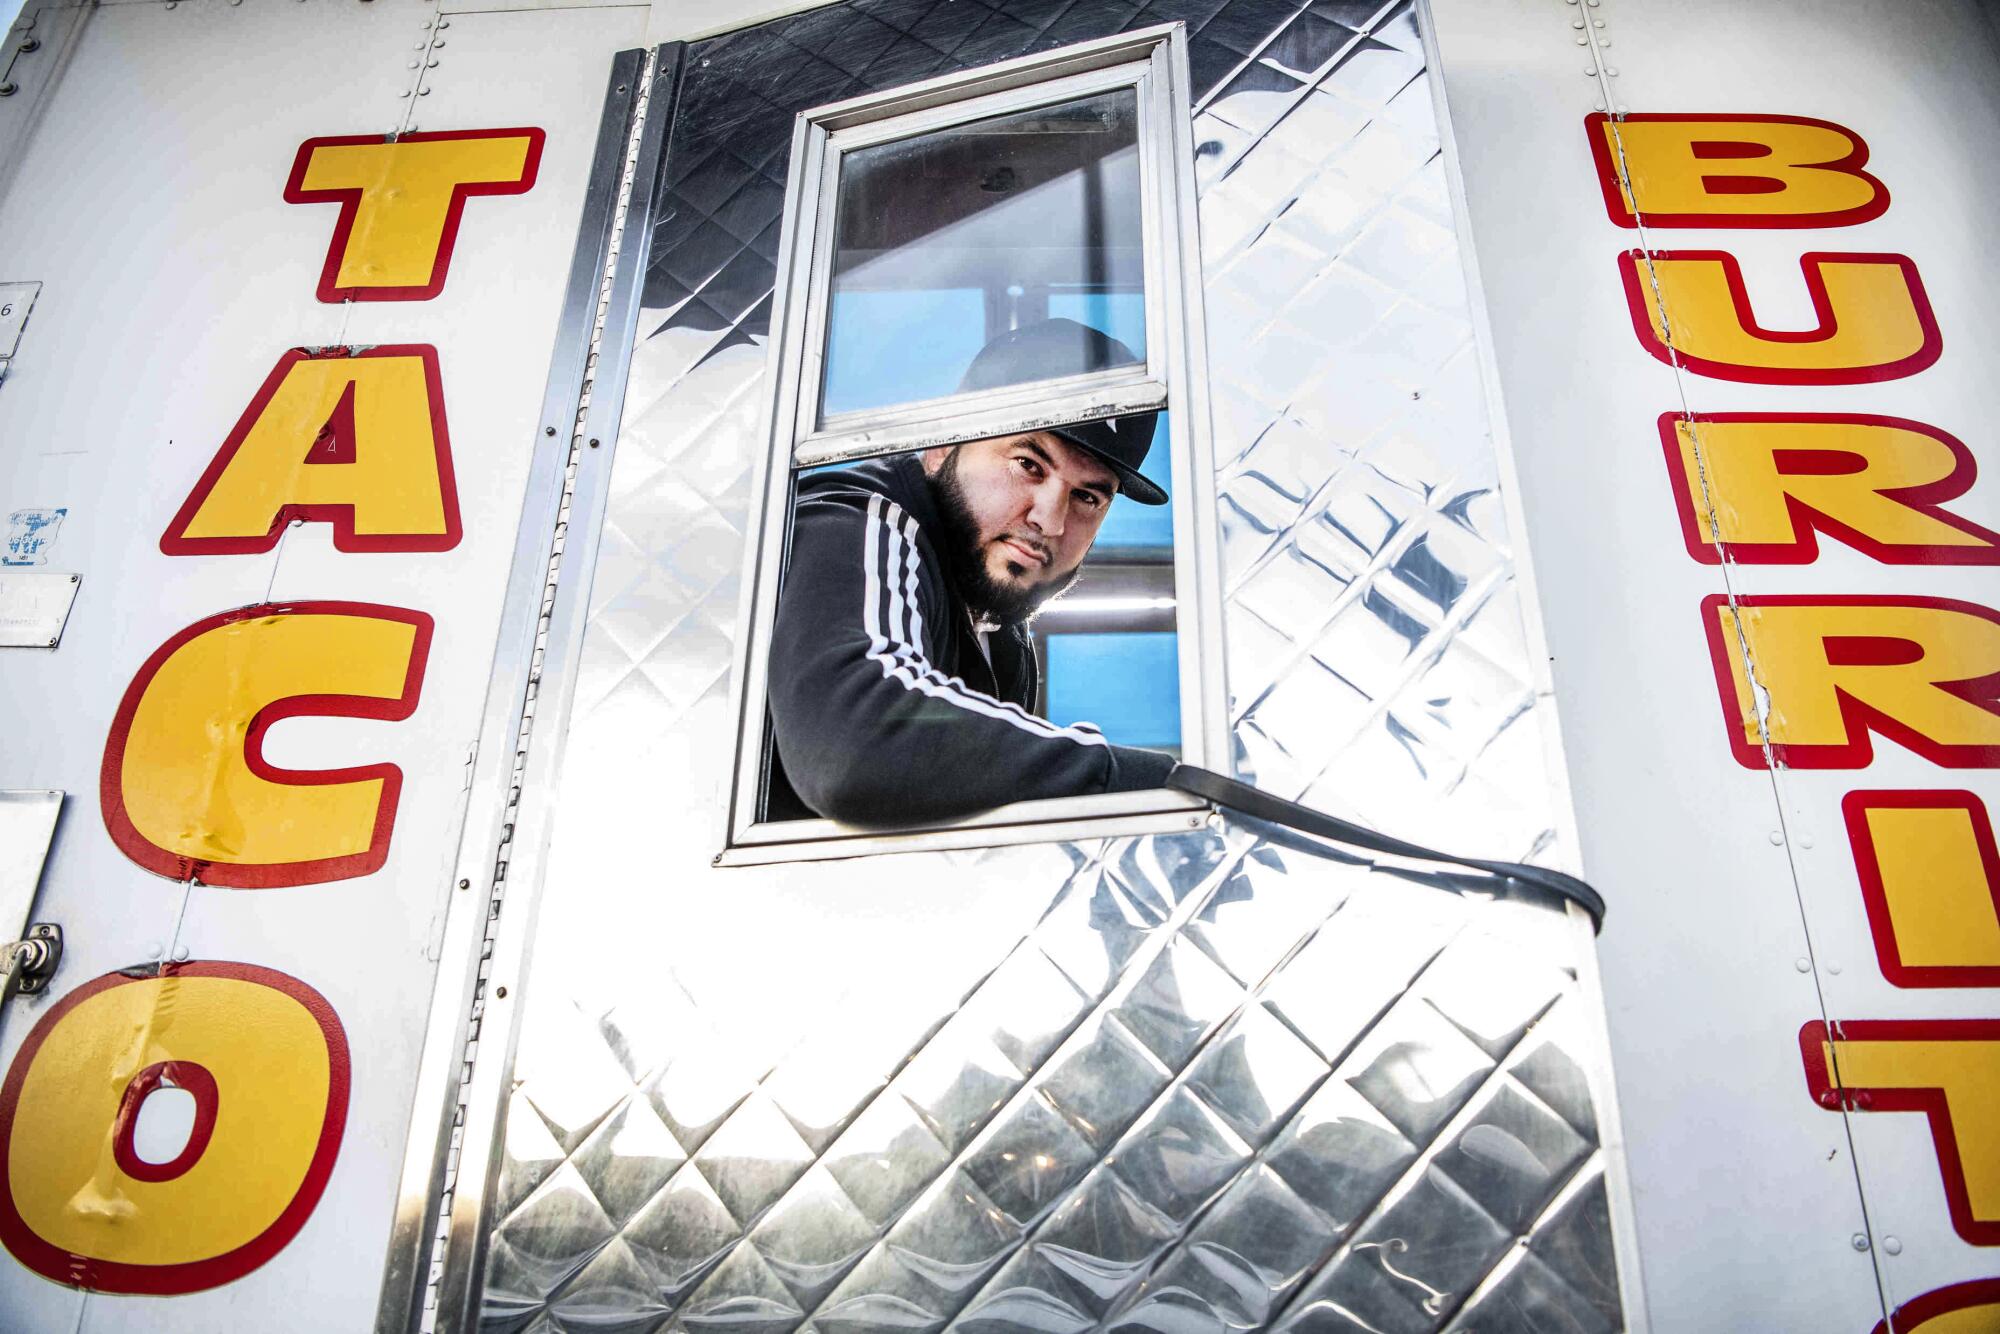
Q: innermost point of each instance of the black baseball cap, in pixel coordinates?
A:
(1053, 348)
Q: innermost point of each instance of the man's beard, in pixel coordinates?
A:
(990, 600)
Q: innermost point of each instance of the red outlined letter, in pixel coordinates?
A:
(1930, 877)
(1923, 672)
(1975, 1306)
(401, 202)
(355, 439)
(1761, 485)
(1875, 320)
(1948, 1069)
(185, 788)
(267, 1060)
(1732, 171)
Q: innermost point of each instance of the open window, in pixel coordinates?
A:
(988, 313)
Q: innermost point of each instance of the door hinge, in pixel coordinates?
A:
(26, 965)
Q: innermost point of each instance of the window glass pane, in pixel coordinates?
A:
(1127, 684)
(945, 241)
(1129, 528)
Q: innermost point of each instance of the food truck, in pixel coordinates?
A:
(1571, 624)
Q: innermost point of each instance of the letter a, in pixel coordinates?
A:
(1691, 308)
(185, 788)
(358, 441)
(401, 201)
(1732, 171)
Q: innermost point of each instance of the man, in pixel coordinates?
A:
(901, 672)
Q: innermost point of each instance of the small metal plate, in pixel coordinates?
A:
(34, 605)
(16, 300)
(27, 824)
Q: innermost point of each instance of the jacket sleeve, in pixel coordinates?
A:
(869, 729)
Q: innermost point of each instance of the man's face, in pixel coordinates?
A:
(1024, 510)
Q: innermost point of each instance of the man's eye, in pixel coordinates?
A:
(1090, 499)
(1029, 466)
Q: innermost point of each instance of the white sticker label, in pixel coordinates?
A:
(16, 300)
(34, 604)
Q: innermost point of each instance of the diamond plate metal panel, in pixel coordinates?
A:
(1200, 1081)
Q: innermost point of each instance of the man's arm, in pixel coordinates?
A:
(869, 729)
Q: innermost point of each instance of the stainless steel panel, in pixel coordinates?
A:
(1206, 1080)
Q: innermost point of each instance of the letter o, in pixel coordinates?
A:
(266, 1061)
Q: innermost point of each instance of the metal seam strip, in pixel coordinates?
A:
(1610, 1125)
(416, 1252)
(519, 858)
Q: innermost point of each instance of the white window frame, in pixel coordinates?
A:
(1154, 62)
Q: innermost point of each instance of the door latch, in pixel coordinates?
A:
(26, 965)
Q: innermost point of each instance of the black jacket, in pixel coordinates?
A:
(885, 710)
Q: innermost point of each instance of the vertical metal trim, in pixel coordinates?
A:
(1590, 981)
(563, 607)
(434, 1134)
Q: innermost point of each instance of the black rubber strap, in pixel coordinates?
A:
(1241, 797)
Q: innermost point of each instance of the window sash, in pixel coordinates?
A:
(1174, 377)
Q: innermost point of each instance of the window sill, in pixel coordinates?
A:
(1076, 819)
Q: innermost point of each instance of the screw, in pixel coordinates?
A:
(1860, 1241)
(52, 642)
(593, 444)
(1893, 1245)
(548, 430)
(465, 884)
(716, 860)
(75, 577)
(500, 993)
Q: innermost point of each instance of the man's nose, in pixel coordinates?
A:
(1046, 508)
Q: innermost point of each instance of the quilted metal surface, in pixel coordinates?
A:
(1207, 1081)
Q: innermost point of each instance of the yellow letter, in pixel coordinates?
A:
(357, 441)
(1930, 876)
(1949, 1069)
(400, 203)
(1760, 485)
(1732, 171)
(1875, 321)
(265, 1060)
(185, 788)
(1920, 671)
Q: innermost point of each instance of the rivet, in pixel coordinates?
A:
(621, 87)
(1864, 1100)
(153, 950)
(8, 89)
(438, 45)
(1859, 1241)
(500, 992)
(75, 578)
(1605, 41)
(548, 430)
(413, 64)
(1777, 838)
(1597, 23)
(52, 643)
(432, 65)
(1576, 23)
(1893, 1245)
(1805, 840)
(1590, 72)
(443, 24)
(1803, 964)
(593, 444)
(1829, 1099)
(1833, 968)
(704, 59)
(1581, 40)
(1599, 104)
(181, 954)
(1612, 70)
(404, 93)
(173, 4)
(1622, 108)
(423, 92)
(32, 44)
(465, 884)
(421, 45)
